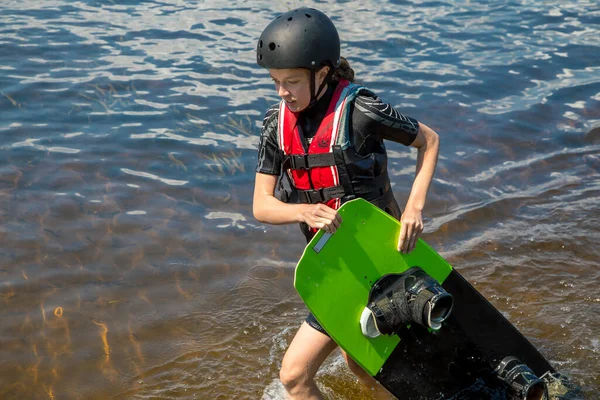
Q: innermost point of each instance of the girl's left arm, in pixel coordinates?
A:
(427, 144)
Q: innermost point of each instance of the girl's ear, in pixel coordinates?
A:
(323, 73)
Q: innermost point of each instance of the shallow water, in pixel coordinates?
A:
(130, 263)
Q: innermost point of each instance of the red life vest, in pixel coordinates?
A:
(331, 131)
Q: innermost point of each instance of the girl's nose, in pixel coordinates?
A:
(282, 92)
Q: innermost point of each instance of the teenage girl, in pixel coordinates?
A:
(322, 145)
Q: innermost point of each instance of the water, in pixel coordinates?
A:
(130, 263)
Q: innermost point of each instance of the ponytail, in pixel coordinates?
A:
(344, 71)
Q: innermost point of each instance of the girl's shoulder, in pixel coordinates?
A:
(368, 100)
(271, 120)
(272, 112)
(366, 95)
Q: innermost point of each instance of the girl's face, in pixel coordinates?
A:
(293, 86)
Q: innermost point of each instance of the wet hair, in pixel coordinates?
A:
(344, 71)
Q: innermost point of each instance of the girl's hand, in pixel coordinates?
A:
(412, 226)
(320, 216)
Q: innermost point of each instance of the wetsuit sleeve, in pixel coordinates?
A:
(269, 154)
(378, 120)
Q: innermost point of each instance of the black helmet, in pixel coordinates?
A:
(301, 38)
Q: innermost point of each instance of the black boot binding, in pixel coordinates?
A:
(396, 300)
(521, 379)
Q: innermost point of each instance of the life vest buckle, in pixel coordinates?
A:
(314, 196)
(299, 161)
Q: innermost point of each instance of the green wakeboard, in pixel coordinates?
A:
(334, 278)
(335, 267)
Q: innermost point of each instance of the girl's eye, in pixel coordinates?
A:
(292, 82)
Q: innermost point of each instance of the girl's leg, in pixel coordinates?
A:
(306, 353)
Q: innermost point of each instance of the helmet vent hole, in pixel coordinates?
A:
(260, 44)
(290, 18)
(260, 57)
(272, 46)
(308, 15)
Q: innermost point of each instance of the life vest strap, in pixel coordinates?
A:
(322, 195)
(345, 181)
(308, 161)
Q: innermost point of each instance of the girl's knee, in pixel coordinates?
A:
(306, 353)
(293, 376)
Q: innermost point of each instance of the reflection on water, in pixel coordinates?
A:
(131, 265)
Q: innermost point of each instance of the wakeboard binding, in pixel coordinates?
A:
(396, 300)
(521, 379)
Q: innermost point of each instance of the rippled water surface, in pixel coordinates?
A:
(130, 263)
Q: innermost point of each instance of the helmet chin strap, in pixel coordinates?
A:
(314, 97)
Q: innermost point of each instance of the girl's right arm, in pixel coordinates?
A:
(268, 209)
